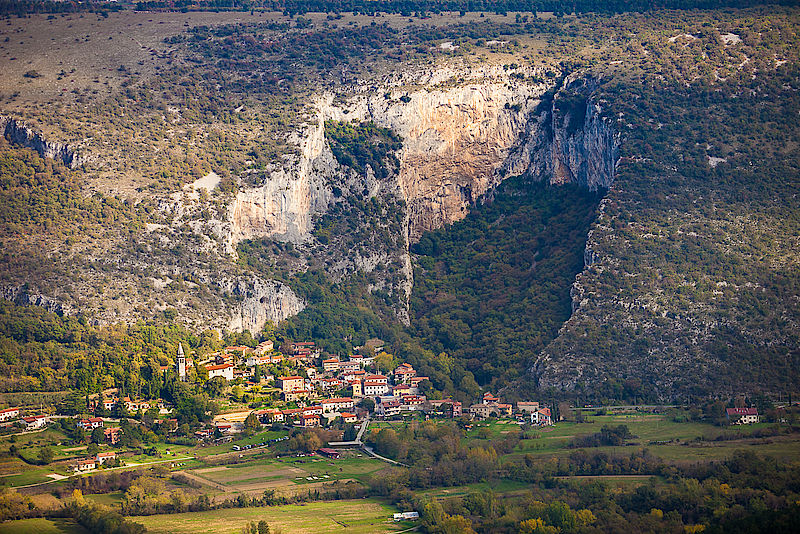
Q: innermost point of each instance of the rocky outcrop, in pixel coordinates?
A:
(19, 133)
(23, 296)
(261, 301)
(285, 203)
(569, 142)
(454, 142)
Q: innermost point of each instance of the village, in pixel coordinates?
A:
(312, 389)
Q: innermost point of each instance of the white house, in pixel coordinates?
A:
(8, 414)
(225, 371)
(85, 465)
(103, 457)
(742, 416)
(542, 417)
(90, 424)
(331, 365)
(337, 405)
(374, 388)
(35, 422)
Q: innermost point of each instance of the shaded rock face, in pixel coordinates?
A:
(19, 133)
(569, 141)
(262, 301)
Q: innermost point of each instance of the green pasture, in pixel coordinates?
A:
(42, 526)
(363, 516)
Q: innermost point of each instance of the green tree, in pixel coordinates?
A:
(46, 455)
(98, 435)
(251, 424)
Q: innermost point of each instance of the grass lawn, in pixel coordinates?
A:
(42, 526)
(658, 433)
(106, 499)
(34, 439)
(342, 468)
(363, 516)
(304, 470)
(242, 441)
(17, 473)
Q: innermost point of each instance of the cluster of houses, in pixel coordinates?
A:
(348, 380)
(240, 362)
(12, 416)
(311, 416)
(111, 434)
(394, 394)
(528, 411)
(109, 400)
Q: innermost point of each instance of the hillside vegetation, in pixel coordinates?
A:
(493, 290)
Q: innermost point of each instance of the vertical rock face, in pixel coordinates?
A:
(586, 156)
(283, 206)
(460, 139)
(569, 142)
(454, 141)
(19, 133)
(455, 138)
(262, 301)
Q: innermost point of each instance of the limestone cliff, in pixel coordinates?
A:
(262, 301)
(454, 142)
(19, 133)
(569, 141)
(457, 131)
(463, 132)
(284, 204)
(24, 296)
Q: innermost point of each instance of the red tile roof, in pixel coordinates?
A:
(742, 411)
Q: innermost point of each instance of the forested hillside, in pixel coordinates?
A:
(493, 290)
(695, 283)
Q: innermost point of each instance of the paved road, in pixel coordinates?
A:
(363, 429)
(369, 451)
(357, 442)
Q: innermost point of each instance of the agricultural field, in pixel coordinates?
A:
(22, 470)
(658, 433)
(354, 516)
(42, 526)
(286, 475)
